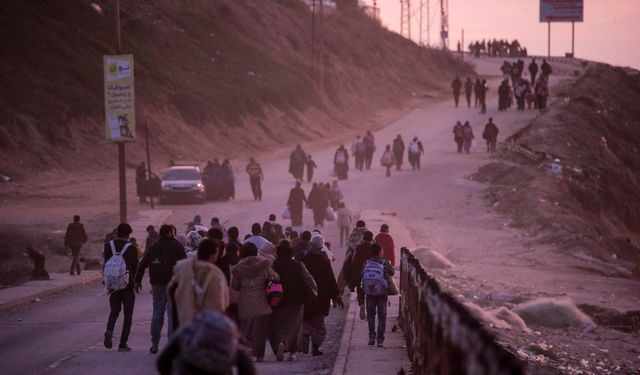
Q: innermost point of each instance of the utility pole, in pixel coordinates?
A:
(573, 39)
(322, 46)
(409, 19)
(420, 22)
(444, 23)
(428, 23)
(313, 33)
(146, 137)
(402, 17)
(122, 176)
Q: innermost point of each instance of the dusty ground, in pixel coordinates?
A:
(444, 209)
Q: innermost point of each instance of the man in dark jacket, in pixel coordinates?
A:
(398, 151)
(152, 237)
(74, 238)
(468, 89)
(361, 254)
(122, 299)
(490, 134)
(533, 70)
(296, 202)
(298, 285)
(160, 258)
(456, 85)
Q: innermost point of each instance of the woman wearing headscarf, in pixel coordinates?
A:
(317, 309)
(298, 285)
(249, 278)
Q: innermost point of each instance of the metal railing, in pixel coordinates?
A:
(442, 336)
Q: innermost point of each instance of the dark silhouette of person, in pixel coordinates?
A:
(456, 85)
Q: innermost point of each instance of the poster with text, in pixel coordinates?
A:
(119, 99)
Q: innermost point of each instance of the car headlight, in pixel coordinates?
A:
(165, 186)
(199, 186)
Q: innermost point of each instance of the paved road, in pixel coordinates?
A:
(63, 333)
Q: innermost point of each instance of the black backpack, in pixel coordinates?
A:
(160, 267)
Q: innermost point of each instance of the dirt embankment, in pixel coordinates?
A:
(213, 78)
(590, 207)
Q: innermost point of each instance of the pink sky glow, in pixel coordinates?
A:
(610, 32)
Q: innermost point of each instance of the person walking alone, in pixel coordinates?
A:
(318, 202)
(297, 161)
(483, 96)
(533, 70)
(255, 178)
(296, 203)
(458, 135)
(122, 297)
(160, 258)
(398, 151)
(369, 143)
(344, 220)
(467, 132)
(311, 165)
(74, 237)
(490, 134)
(468, 89)
(341, 163)
(415, 153)
(476, 91)
(388, 160)
(456, 85)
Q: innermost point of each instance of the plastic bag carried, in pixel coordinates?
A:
(286, 214)
(330, 215)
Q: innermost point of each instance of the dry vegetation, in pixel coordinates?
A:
(211, 77)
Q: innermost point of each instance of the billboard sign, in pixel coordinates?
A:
(119, 99)
(561, 10)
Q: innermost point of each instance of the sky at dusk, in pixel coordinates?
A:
(610, 31)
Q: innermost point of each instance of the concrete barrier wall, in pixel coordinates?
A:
(442, 336)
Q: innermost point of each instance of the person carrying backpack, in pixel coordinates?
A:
(388, 160)
(120, 263)
(376, 288)
(160, 258)
(415, 152)
(341, 163)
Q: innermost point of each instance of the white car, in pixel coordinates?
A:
(182, 182)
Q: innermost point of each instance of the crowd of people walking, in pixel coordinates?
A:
(497, 48)
(276, 286)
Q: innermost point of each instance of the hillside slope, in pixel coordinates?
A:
(591, 208)
(212, 77)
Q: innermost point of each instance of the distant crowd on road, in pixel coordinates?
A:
(497, 48)
(224, 298)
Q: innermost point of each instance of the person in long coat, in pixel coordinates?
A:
(297, 285)
(318, 202)
(249, 277)
(296, 202)
(297, 162)
(317, 309)
(341, 163)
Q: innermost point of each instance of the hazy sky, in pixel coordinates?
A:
(610, 31)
